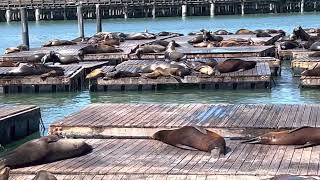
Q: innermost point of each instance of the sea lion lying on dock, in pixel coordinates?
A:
(16, 49)
(164, 43)
(203, 67)
(172, 54)
(95, 74)
(222, 32)
(4, 173)
(55, 57)
(312, 71)
(232, 65)
(140, 50)
(315, 46)
(120, 74)
(57, 42)
(193, 138)
(205, 44)
(44, 175)
(304, 136)
(44, 150)
(205, 36)
(263, 34)
(176, 73)
(8, 64)
(99, 48)
(289, 45)
(235, 42)
(165, 33)
(244, 31)
(36, 58)
(35, 69)
(140, 36)
(301, 34)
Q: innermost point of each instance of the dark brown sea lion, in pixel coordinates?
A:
(111, 42)
(164, 43)
(209, 62)
(44, 175)
(232, 65)
(120, 74)
(58, 42)
(289, 45)
(140, 50)
(52, 73)
(309, 43)
(263, 34)
(28, 153)
(50, 57)
(35, 57)
(8, 64)
(35, 69)
(4, 173)
(315, 54)
(315, 46)
(304, 136)
(244, 31)
(301, 34)
(69, 59)
(99, 48)
(193, 138)
(312, 71)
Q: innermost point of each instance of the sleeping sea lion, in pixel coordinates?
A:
(193, 138)
(4, 173)
(315, 46)
(301, 34)
(205, 44)
(52, 73)
(44, 175)
(140, 36)
(289, 45)
(35, 69)
(95, 74)
(35, 57)
(304, 136)
(232, 65)
(201, 67)
(244, 31)
(57, 42)
(111, 42)
(164, 43)
(315, 54)
(11, 50)
(263, 34)
(140, 50)
(312, 71)
(221, 32)
(69, 59)
(120, 74)
(8, 64)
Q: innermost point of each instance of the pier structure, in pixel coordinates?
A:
(63, 9)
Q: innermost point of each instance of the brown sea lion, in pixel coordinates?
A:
(164, 43)
(4, 173)
(200, 67)
(304, 136)
(120, 74)
(52, 73)
(232, 65)
(35, 57)
(222, 32)
(36, 69)
(28, 153)
(11, 50)
(263, 34)
(205, 44)
(301, 34)
(44, 175)
(244, 31)
(209, 62)
(315, 46)
(140, 50)
(312, 71)
(140, 36)
(172, 54)
(57, 42)
(111, 42)
(174, 72)
(96, 74)
(289, 45)
(193, 138)
(8, 64)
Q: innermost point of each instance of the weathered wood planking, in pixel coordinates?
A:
(258, 77)
(293, 53)
(142, 120)
(72, 80)
(302, 63)
(137, 157)
(17, 122)
(310, 81)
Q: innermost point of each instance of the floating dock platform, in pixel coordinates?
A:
(72, 80)
(310, 81)
(302, 63)
(291, 54)
(17, 122)
(142, 120)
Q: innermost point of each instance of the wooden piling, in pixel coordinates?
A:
(25, 30)
(98, 16)
(80, 21)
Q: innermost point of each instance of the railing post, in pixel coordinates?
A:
(80, 20)
(98, 17)
(24, 23)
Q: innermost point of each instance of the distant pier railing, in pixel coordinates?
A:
(66, 9)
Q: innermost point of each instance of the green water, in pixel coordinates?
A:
(58, 105)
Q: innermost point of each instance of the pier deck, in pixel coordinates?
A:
(258, 77)
(17, 122)
(142, 120)
(291, 54)
(125, 158)
(72, 80)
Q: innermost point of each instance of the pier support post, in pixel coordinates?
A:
(24, 23)
(302, 6)
(242, 8)
(37, 14)
(80, 21)
(212, 8)
(315, 5)
(125, 12)
(184, 10)
(154, 11)
(99, 25)
(8, 15)
(270, 7)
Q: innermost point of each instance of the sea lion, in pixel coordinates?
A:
(309, 43)
(57, 42)
(315, 54)
(315, 46)
(35, 57)
(8, 64)
(193, 138)
(140, 36)
(290, 177)
(314, 70)
(304, 136)
(205, 44)
(140, 50)
(174, 72)
(69, 59)
(232, 65)
(164, 43)
(50, 57)
(11, 50)
(120, 74)
(111, 42)
(52, 73)
(197, 39)
(95, 74)
(244, 31)
(99, 48)
(28, 153)
(35, 69)
(221, 32)
(201, 67)
(263, 34)
(289, 45)
(4, 173)
(171, 53)
(44, 175)
(301, 34)
(164, 65)
(209, 62)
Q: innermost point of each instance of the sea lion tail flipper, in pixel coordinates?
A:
(182, 146)
(202, 130)
(308, 144)
(297, 129)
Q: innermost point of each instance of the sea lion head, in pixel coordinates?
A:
(42, 174)
(160, 135)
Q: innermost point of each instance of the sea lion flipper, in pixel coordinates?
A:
(215, 153)
(182, 146)
(297, 129)
(308, 144)
(202, 130)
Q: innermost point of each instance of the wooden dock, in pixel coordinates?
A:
(17, 122)
(258, 77)
(72, 80)
(302, 63)
(142, 159)
(310, 81)
(291, 54)
(142, 120)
